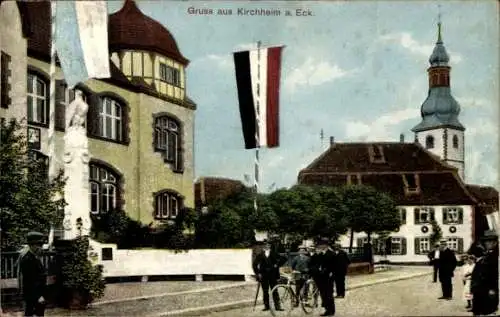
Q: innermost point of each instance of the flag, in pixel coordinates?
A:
(247, 64)
(81, 40)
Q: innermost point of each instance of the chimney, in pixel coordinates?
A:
(402, 138)
(332, 140)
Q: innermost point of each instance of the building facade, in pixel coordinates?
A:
(425, 178)
(140, 121)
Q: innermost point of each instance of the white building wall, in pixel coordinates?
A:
(438, 135)
(410, 231)
(14, 44)
(456, 156)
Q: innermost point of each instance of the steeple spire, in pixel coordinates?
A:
(439, 25)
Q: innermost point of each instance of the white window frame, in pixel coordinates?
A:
(397, 241)
(455, 211)
(35, 97)
(424, 245)
(452, 242)
(166, 126)
(107, 187)
(115, 116)
(166, 206)
(424, 210)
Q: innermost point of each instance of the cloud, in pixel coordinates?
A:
(314, 73)
(473, 102)
(223, 61)
(380, 129)
(407, 41)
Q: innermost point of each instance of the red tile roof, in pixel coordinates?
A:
(439, 182)
(129, 28)
(210, 189)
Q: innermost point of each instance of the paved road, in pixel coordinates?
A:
(414, 297)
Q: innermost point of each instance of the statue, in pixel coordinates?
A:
(76, 169)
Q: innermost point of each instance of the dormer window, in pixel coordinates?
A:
(170, 75)
(376, 153)
(411, 183)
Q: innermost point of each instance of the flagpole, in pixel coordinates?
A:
(257, 132)
(52, 101)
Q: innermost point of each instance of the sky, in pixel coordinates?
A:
(357, 70)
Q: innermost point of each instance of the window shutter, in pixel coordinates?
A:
(445, 214)
(180, 156)
(417, 245)
(403, 246)
(93, 121)
(388, 245)
(432, 214)
(60, 119)
(416, 213)
(460, 215)
(5, 87)
(460, 245)
(403, 216)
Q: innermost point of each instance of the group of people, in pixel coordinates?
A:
(327, 266)
(479, 273)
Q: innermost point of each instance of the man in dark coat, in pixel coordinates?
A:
(341, 262)
(434, 261)
(33, 278)
(266, 267)
(322, 268)
(484, 281)
(301, 264)
(447, 263)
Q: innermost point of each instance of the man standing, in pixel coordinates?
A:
(33, 278)
(341, 263)
(434, 261)
(447, 263)
(300, 264)
(484, 281)
(324, 270)
(266, 267)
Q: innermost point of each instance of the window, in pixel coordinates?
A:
(167, 140)
(64, 97)
(411, 183)
(455, 141)
(170, 74)
(424, 215)
(376, 153)
(110, 119)
(103, 189)
(353, 179)
(456, 244)
(453, 215)
(429, 142)
(396, 246)
(167, 205)
(37, 100)
(422, 245)
(5, 80)
(402, 214)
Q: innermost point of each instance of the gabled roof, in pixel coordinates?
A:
(355, 158)
(485, 195)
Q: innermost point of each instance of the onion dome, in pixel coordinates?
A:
(129, 28)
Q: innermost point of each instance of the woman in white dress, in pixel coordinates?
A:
(467, 269)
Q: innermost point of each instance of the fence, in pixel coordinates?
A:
(9, 263)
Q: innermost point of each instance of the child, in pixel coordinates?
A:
(467, 268)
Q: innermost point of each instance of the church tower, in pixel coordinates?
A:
(440, 131)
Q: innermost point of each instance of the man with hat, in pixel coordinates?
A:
(434, 261)
(300, 264)
(32, 277)
(447, 264)
(322, 266)
(266, 267)
(341, 262)
(484, 280)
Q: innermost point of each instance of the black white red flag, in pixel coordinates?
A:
(247, 66)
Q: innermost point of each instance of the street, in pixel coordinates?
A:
(414, 297)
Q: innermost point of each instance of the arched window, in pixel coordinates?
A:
(167, 140)
(455, 141)
(37, 99)
(104, 191)
(429, 142)
(110, 119)
(167, 205)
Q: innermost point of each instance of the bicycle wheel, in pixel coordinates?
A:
(285, 300)
(309, 297)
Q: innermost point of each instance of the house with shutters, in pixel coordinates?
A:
(140, 121)
(426, 177)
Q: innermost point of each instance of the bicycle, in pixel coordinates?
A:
(308, 295)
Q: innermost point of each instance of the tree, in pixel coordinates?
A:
(436, 233)
(369, 210)
(29, 201)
